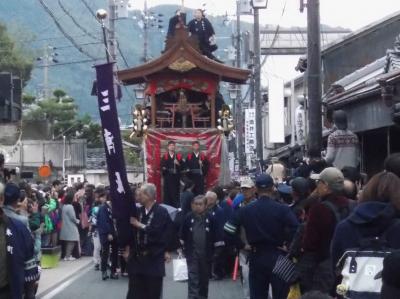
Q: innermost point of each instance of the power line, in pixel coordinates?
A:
(85, 44)
(89, 9)
(48, 10)
(33, 40)
(75, 21)
(71, 62)
(122, 55)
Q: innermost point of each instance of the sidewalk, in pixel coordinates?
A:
(50, 278)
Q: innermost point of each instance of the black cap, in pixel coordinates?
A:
(12, 194)
(300, 185)
(171, 142)
(264, 181)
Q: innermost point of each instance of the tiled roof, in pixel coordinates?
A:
(393, 57)
(96, 159)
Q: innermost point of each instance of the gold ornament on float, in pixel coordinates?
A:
(182, 65)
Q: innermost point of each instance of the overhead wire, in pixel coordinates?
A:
(122, 54)
(66, 34)
(77, 24)
(85, 44)
(90, 9)
(71, 62)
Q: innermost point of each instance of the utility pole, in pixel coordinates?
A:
(314, 79)
(146, 31)
(46, 72)
(111, 30)
(239, 112)
(257, 84)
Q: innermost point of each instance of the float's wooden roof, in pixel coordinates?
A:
(182, 56)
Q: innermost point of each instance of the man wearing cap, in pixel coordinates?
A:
(268, 225)
(197, 167)
(171, 166)
(323, 216)
(11, 200)
(246, 195)
(248, 191)
(18, 266)
(300, 192)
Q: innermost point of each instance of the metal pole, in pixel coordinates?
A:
(63, 162)
(293, 107)
(257, 84)
(105, 41)
(46, 73)
(146, 31)
(314, 79)
(111, 24)
(239, 112)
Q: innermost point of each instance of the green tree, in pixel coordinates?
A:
(62, 114)
(90, 131)
(28, 99)
(59, 94)
(13, 58)
(132, 156)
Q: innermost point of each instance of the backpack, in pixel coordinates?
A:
(340, 213)
(361, 267)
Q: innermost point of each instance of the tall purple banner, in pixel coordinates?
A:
(123, 205)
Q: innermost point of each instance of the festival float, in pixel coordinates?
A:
(182, 103)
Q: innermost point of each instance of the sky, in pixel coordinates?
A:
(350, 14)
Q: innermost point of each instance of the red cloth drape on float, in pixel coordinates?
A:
(155, 144)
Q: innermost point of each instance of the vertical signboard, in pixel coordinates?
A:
(276, 111)
(250, 130)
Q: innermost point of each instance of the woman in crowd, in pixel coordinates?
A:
(69, 230)
(375, 215)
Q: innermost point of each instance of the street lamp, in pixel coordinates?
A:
(101, 15)
(233, 93)
(139, 92)
(257, 5)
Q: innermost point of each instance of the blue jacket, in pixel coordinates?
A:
(267, 223)
(219, 219)
(21, 261)
(105, 223)
(369, 219)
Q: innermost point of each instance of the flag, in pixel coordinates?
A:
(123, 205)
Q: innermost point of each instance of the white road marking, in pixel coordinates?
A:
(65, 284)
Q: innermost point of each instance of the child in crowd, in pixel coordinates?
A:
(108, 238)
(98, 193)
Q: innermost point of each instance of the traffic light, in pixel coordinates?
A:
(5, 96)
